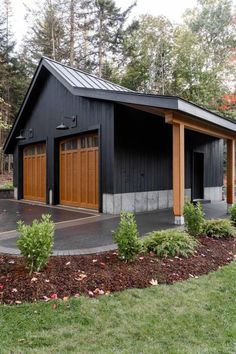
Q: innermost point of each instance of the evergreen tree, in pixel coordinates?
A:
(46, 36)
(109, 32)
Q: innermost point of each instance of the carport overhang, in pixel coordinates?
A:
(182, 115)
(207, 123)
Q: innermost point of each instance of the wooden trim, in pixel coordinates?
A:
(230, 170)
(178, 169)
(192, 124)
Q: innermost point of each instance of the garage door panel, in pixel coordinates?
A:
(80, 188)
(34, 172)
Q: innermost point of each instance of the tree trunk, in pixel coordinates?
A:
(100, 49)
(72, 32)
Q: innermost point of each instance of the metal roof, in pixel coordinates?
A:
(89, 86)
(79, 79)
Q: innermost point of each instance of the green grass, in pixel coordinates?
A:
(196, 316)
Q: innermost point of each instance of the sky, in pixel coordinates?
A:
(173, 9)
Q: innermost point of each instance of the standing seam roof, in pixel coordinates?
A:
(80, 79)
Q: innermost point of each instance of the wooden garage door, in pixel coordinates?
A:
(79, 171)
(34, 172)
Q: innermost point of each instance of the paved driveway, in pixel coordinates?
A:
(11, 211)
(83, 233)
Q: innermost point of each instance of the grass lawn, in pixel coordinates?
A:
(196, 316)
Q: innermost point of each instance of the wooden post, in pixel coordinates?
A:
(178, 172)
(230, 171)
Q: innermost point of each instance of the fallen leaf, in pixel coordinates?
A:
(77, 295)
(68, 263)
(65, 298)
(103, 265)
(107, 293)
(2, 286)
(81, 277)
(98, 291)
(11, 261)
(34, 279)
(53, 296)
(46, 298)
(153, 282)
(18, 302)
(14, 290)
(94, 260)
(141, 258)
(91, 293)
(47, 280)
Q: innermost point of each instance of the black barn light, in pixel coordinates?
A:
(63, 126)
(23, 133)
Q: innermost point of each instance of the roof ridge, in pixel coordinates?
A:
(86, 73)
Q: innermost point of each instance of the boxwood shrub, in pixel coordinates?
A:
(219, 228)
(170, 243)
(35, 242)
(194, 218)
(127, 238)
(232, 212)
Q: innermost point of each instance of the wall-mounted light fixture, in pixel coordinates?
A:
(25, 133)
(63, 126)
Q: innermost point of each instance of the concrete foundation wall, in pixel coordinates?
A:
(214, 194)
(148, 201)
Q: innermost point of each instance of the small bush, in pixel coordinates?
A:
(127, 237)
(232, 212)
(7, 185)
(194, 218)
(170, 243)
(35, 242)
(219, 228)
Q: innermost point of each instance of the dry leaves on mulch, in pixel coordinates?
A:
(101, 274)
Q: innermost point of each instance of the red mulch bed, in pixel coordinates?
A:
(98, 274)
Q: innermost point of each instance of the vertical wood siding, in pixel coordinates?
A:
(143, 153)
(46, 110)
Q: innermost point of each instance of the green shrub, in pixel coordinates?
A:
(194, 218)
(219, 228)
(127, 237)
(35, 242)
(232, 212)
(7, 185)
(170, 243)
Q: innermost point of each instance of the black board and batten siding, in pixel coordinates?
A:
(135, 146)
(143, 153)
(52, 101)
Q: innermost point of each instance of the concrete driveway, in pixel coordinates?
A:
(79, 232)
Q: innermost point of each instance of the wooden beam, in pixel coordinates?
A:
(178, 172)
(201, 127)
(230, 171)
